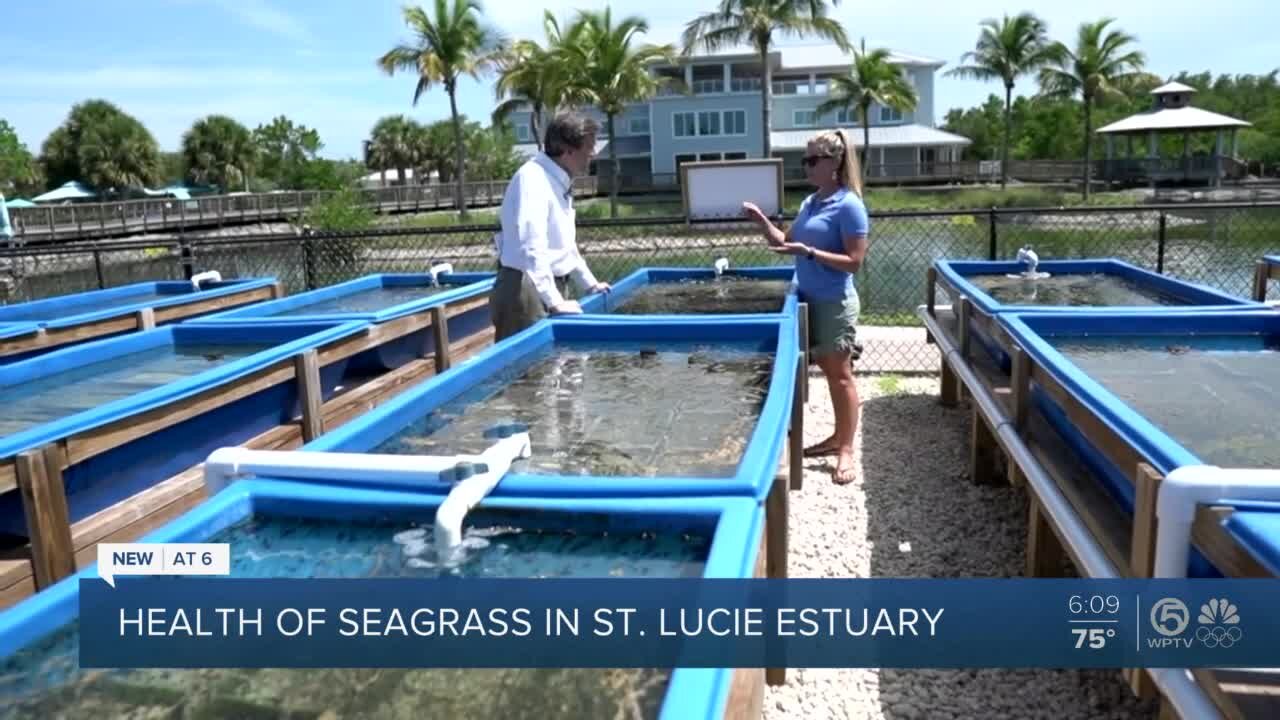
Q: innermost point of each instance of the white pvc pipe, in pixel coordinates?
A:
(471, 490)
(198, 278)
(1188, 487)
(438, 270)
(1028, 256)
(225, 465)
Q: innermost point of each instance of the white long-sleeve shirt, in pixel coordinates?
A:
(539, 234)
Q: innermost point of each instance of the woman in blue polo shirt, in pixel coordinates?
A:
(829, 241)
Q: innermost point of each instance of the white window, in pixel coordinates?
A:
(844, 117)
(684, 124)
(889, 115)
(735, 122)
(709, 122)
(804, 118)
(522, 133)
(639, 126)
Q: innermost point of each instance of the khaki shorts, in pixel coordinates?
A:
(832, 327)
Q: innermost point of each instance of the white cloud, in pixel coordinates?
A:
(262, 15)
(257, 13)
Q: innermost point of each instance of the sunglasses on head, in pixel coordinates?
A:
(811, 160)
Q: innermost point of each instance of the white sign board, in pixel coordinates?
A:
(717, 189)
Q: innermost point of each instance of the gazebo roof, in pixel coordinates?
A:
(1182, 118)
(1173, 87)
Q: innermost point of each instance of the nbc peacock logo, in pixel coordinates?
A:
(1219, 624)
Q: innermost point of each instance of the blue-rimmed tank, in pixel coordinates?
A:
(977, 291)
(278, 529)
(441, 313)
(89, 426)
(66, 320)
(694, 406)
(1134, 397)
(718, 290)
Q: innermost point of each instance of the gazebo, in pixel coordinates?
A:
(1171, 113)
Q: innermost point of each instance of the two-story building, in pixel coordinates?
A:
(719, 117)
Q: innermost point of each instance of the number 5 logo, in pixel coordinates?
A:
(1170, 617)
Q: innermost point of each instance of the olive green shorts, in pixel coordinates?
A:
(514, 303)
(832, 327)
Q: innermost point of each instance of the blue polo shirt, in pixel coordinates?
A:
(824, 224)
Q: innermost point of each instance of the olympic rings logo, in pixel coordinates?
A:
(1219, 636)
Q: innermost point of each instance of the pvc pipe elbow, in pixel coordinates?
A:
(438, 270)
(211, 275)
(1191, 485)
(222, 467)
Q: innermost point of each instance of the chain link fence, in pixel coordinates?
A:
(1215, 245)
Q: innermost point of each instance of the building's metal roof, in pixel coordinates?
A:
(1173, 87)
(881, 136)
(1183, 118)
(807, 57)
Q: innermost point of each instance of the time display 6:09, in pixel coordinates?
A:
(1093, 604)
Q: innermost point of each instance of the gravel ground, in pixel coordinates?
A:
(913, 513)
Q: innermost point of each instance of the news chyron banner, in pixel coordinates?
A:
(192, 621)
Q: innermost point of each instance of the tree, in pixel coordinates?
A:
(102, 146)
(490, 152)
(1100, 67)
(393, 144)
(609, 73)
(19, 171)
(757, 22)
(219, 151)
(1007, 50)
(285, 151)
(455, 43)
(873, 79)
(531, 74)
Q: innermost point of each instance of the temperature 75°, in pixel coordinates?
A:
(1095, 637)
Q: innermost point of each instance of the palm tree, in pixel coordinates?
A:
(1006, 50)
(455, 43)
(608, 73)
(756, 22)
(532, 74)
(220, 151)
(873, 79)
(102, 146)
(1101, 67)
(393, 143)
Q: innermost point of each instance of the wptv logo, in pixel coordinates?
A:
(1218, 624)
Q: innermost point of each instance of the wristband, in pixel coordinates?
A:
(809, 250)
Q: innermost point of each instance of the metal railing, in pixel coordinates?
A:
(72, 221)
(1215, 245)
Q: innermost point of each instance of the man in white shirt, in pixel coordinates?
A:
(537, 246)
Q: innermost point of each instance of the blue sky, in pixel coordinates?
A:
(169, 62)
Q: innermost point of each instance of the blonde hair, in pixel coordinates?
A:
(837, 144)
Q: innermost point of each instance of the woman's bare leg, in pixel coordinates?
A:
(844, 400)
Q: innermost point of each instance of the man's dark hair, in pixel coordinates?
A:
(568, 131)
